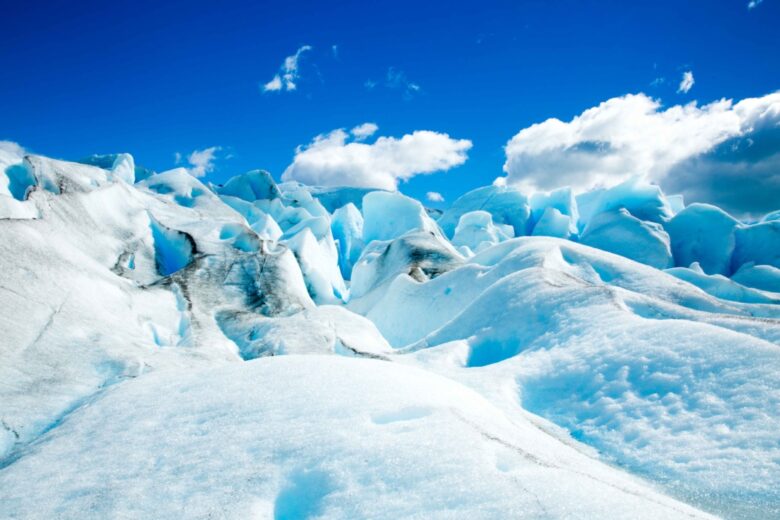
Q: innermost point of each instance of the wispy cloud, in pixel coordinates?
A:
(397, 79)
(434, 196)
(687, 82)
(287, 77)
(754, 3)
(200, 162)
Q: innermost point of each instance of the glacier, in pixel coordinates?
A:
(173, 348)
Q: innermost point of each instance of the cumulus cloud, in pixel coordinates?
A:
(201, 161)
(687, 148)
(686, 83)
(434, 196)
(337, 159)
(364, 131)
(754, 3)
(287, 77)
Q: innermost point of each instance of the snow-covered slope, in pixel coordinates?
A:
(264, 439)
(173, 349)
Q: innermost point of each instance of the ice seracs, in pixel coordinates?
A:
(764, 277)
(618, 231)
(758, 244)
(312, 243)
(389, 215)
(505, 204)
(251, 186)
(368, 357)
(347, 228)
(476, 231)
(552, 208)
(705, 234)
(642, 200)
(553, 223)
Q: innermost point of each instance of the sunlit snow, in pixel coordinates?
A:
(179, 349)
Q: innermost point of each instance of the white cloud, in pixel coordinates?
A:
(364, 131)
(287, 77)
(633, 136)
(754, 3)
(176, 158)
(202, 161)
(273, 85)
(686, 83)
(434, 196)
(333, 159)
(335, 49)
(369, 84)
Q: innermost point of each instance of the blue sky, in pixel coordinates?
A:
(155, 78)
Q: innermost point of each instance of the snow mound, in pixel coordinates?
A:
(648, 369)
(296, 451)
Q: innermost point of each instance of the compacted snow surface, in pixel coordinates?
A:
(179, 350)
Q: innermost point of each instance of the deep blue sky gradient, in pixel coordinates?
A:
(155, 78)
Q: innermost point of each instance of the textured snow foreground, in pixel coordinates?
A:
(172, 349)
